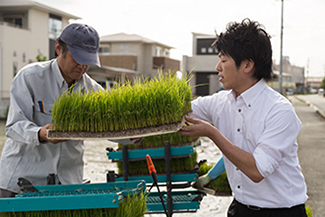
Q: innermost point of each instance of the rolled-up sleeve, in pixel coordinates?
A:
(277, 141)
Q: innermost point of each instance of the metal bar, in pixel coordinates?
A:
(192, 177)
(154, 153)
(183, 201)
(185, 206)
(125, 162)
(59, 203)
(168, 180)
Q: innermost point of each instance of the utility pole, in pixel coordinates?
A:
(307, 75)
(281, 46)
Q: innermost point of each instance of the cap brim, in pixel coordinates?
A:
(84, 57)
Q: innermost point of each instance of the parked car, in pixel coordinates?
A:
(321, 91)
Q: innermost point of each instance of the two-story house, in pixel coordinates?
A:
(202, 65)
(27, 29)
(129, 55)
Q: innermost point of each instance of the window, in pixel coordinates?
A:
(124, 48)
(203, 47)
(14, 19)
(167, 53)
(55, 26)
(158, 52)
(103, 50)
(203, 50)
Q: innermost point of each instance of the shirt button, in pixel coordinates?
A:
(237, 169)
(238, 186)
(238, 130)
(239, 110)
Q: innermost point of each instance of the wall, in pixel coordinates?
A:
(121, 61)
(16, 42)
(201, 63)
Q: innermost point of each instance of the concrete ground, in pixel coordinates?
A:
(312, 154)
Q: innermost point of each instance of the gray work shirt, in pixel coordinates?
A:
(33, 92)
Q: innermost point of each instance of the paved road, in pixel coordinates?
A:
(316, 101)
(311, 153)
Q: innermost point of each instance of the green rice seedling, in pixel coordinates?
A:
(178, 165)
(131, 206)
(220, 184)
(145, 103)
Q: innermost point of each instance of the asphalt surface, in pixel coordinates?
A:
(311, 151)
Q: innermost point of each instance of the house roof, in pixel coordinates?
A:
(26, 4)
(283, 73)
(203, 35)
(123, 37)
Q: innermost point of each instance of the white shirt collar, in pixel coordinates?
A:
(250, 95)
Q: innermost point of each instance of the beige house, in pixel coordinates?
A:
(130, 55)
(202, 65)
(27, 29)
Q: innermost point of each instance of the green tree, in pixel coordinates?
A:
(41, 58)
(323, 83)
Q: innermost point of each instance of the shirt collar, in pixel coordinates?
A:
(57, 73)
(250, 95)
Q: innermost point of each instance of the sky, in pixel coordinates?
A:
(172, 22)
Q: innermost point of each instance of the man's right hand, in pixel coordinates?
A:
(42, 135)
(203, 181)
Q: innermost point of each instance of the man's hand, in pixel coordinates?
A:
(203, 181)
(42, 135)
(195, 127)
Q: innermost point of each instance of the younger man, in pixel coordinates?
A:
(255, 127)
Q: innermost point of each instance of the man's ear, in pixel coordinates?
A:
(57, 48)
(249, 65)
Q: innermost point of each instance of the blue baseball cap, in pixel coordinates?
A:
(83, 43)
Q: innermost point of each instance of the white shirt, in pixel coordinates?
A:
(263, 123)
(33, 92)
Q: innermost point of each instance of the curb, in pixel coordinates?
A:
(317, 110)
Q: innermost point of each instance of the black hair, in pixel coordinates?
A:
(63, 46)
(247, 41)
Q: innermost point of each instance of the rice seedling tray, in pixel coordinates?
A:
(118, 134)
(74, 196)
(188, 177)
(182, 201)
(154, 153)
(195, 143)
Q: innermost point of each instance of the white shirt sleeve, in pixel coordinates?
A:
(277, 141)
